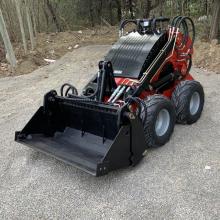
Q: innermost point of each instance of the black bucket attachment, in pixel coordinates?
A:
(90, 136)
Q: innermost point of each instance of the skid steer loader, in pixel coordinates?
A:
(142, 88)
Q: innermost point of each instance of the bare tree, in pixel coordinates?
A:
(119, 9)
(91, 15)
(215, 20)
(148, 5)
(54, 16)
(30, 26)
(18, 5)
(10, 52)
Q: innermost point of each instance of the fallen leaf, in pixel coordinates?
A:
(50, 61)
(207, 167)
(76, 46)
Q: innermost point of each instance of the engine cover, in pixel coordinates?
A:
(130, 53)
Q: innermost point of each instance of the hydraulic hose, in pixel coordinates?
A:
(141, 105)
(70, 87)
(179, 21)
(75, 92)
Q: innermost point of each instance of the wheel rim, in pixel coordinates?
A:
(162, 122)
(194, 103)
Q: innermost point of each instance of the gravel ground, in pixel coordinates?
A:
(178, 181)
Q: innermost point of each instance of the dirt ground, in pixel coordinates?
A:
(52, 46)
(207, 55)
(177, 181)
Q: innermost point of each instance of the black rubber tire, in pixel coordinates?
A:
(154, 104)
(181, 99)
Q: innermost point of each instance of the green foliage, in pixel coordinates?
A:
(63, 15)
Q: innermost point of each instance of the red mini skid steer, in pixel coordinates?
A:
(143, 87)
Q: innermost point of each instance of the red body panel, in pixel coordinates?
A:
(179, 63)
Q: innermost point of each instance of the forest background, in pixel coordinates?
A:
(35, 33)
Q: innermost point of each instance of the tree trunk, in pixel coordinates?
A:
(33, 15)
(172, 8)
(10, 52)
(110, 12)
(206, 7)
(30, 26)
(91, 13)
(147, 8)
(7, 8)
(131, 9)
(46, 16)
(119, 13)
(161, 8)
(215, 20)
(38, 17)
(18, 9)
(54, 17)
(99, 11)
